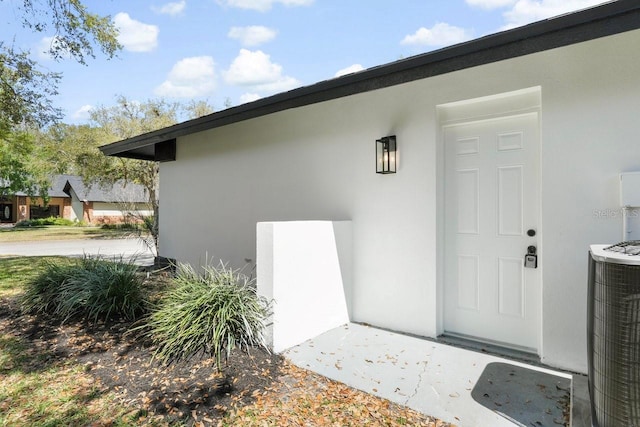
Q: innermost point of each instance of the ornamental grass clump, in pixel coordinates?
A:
(208, 314)
(91, 288)
(42, 293)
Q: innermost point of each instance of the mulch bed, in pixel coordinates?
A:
(257, 388)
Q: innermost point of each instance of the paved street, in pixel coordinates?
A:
(108, 248)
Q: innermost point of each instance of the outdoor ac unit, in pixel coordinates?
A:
(614, 334)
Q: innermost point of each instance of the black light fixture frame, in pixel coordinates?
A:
(386, 155)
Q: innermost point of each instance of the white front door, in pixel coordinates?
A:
(492, 202)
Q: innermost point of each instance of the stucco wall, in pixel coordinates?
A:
(304, 267)
(317, 163)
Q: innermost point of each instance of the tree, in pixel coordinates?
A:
(24, 103)
(197, 109)
(18, 170)
(61, 145)
(121, 121)
(29, 157)
(26, 90)
(76, 29)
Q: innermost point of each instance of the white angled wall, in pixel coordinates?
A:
(77, 207)
(304, 267)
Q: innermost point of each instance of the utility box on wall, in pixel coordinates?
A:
(630, 189)
(630, 203)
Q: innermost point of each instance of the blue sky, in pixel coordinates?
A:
(235, 51)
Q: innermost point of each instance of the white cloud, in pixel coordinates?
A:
(441, 34)
(189, 78)
(172, 9)
(490, 4)
(350, 69)
(83, 112)
(526, 11)
(253, 35)
(135, 35)
(263, 5)
(254, 68)
(249, 97)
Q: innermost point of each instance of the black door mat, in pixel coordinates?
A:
(525, 396)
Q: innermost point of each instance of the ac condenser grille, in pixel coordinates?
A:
(615, 344)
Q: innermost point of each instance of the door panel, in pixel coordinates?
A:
(491, 199)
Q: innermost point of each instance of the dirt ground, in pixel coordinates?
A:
(257, 388)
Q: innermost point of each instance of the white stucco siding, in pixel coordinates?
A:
(589, 136)
(308, 164)
(317, 163)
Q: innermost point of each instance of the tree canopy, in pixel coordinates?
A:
(77, 31)
(34, 145)
(19, 169)
(73, 149)
(26, 90)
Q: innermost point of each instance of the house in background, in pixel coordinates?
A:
(20, 206)
(511, 141)
(70, 198)
(97, 204)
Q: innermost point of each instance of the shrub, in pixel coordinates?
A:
(209, 314)
(121, 226)
(41, 222)
(42, 294)
(92, 288)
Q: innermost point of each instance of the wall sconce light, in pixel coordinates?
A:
(386, 155)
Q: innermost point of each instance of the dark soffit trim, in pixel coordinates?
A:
(596, 22)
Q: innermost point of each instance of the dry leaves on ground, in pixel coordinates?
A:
(303, 398)
(258, 389)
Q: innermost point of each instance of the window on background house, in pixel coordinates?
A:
(37, 212)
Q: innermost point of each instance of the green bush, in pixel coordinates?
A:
(122, 226)
(208, 314)
(42, 294)
(92, 288)
(41, 222)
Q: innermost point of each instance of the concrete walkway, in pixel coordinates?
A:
(129, 249)
(430, 377)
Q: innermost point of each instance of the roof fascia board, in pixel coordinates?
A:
(600, 21)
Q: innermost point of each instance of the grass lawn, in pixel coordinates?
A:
(13, 273)
(19, 234)
(102, 374)
(36, 392)
(37, 388)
